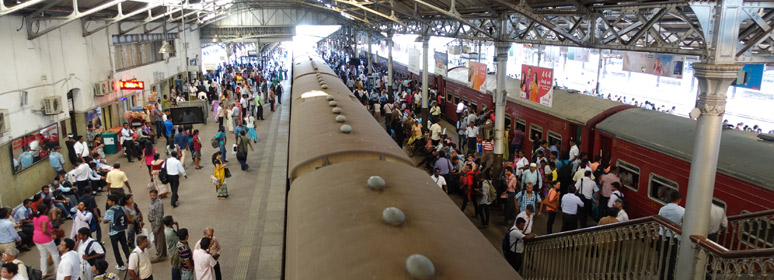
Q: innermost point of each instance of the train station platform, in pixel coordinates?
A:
(249, 224)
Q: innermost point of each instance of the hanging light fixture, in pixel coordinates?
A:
(166, 48)
(217, 39)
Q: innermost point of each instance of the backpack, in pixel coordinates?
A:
(492, 193)
(564, 172)
(215, 142)
(176, 261)
(119, 221)
(163, 177)
(88, 249)
(506, 243)
(34, 273)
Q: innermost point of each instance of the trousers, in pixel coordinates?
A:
(47, 249)
(160, 242)
(569, 221)
(115, 241)
(174, 183)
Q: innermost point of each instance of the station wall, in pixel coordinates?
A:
(54, 64)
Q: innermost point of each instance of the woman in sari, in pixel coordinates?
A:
(220, 175)
(533, 88)
(155, 169)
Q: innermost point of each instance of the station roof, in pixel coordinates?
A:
(573, 107)
(742, 155)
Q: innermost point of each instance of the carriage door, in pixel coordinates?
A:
(605, 148)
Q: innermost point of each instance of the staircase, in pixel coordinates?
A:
(646, 248)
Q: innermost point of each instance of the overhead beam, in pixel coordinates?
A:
(118, 18)
(75, 15)
(528, 13)
(391, 17)
(456, 17)
(4, 10)
(147, 20)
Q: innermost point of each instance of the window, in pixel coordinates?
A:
(456, 99)
(473, 107)
(449, 96)
(554, 137)
(660, 188)
(629, 175)
(533, 130)
(136, 54)
(507, 123)
(521, 124)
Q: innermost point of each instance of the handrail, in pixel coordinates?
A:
(751, 215)
(722, 252)
(661, 220)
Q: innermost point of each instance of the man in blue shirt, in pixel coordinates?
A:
(27, 157)
(169, 126)
(238, 129)
(181, 143)
(8, 235)
(667, 248)
(221, 136)
(56, 159)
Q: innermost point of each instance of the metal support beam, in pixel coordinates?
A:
(539, 19)
(75, 15)
(370, 63)
(391, 17)
(389, 64)
(4, 10)
(147, 20)
(121, 16)
(425, 51)
(500, 96)
(456, 17)
(715, 74)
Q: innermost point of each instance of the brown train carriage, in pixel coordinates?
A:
(336, 231)
(571, 115)
(653, 151)
(316, 137)
(305, 65)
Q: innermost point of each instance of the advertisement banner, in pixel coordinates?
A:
(477, 75)
(413, 63)
(750, 76)
(665, 65)
(441, 63)
(537, 84)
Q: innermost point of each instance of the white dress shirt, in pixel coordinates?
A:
(587, 187)
(717, 219)
(140, 263)
(174, 167)
(69, 265)
(126, 134)
(528, 224)
(622, 216)
(81, 149)
(517, 240)
(613, 197)
(672, 212)
(440, 180)
(571, 203)
(81, 172)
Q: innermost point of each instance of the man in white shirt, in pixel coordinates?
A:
(204, 263)
(471, 132)
(615, 195)
(528, 215)
(139, 262)
(717, 222)
(174, 169)
(571, 204)
(667, 248)
(435, 133)
(127, 143)
(622, 215)
(70, 264)
(574, 152)
(460, 109)
(516, 238)
(90, 250)
(440, 180)
(81, 173)
(81, 148)
(520, 163)
(586, 188)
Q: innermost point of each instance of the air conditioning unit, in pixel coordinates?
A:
(5, 121)
(52, 105)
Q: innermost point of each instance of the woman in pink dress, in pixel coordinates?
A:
(43, 236)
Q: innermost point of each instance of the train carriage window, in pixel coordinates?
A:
(629, 175)
(449, 96)
(473, 107)
(521, 124)
(456, 99)
(660, 188)
(535, 129)
(554, 137)
(507, 123)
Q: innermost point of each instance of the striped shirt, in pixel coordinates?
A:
(487, 145)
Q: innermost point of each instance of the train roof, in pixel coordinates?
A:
(742, 155)
(573, 107)
(333, 213)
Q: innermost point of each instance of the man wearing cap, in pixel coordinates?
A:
(531, 176)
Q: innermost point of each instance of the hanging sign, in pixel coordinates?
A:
(477, 75)
(413, 65)
(537, 84)
(131, 84)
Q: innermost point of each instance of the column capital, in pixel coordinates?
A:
(714, 80)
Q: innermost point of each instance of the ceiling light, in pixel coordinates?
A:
(217, 39)
(166, 48)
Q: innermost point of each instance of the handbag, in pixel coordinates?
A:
(226, 172)
(163, 173)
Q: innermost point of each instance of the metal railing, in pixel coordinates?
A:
(748, 231)
(644, 248)
(737, 264)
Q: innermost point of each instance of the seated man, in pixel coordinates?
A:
(102, 166)
(45, 195)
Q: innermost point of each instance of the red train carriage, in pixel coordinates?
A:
(571, 116)
(653, 152)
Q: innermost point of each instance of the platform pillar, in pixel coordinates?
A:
(370, 65)
(500, 99)
(714, 80)
(389, 64)
(354, 47)
(425, 47)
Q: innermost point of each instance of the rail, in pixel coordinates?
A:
(748, 231)
(734, 264)
(636, 249)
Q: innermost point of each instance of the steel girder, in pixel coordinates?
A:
(4, 10)
(279, 17)
(210, 32)
(121, 16)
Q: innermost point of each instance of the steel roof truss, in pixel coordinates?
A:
(75, 15)
(4, 10)
(764, 32)
(121, 16)
(147, 20)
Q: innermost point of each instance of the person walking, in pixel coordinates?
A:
(250, 123)
(147, 157)
(219, 173)
(196, 148)
(174, 170)
(70, 265)
(118, 220)
(242, 143)
(90, 251)
(116, 180)
(155, 218)
(571, 204)
(156, 169)
(551, 204)
(221, 137)
(139, 263)
(43, 236)
(181, 144)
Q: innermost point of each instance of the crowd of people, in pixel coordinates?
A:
(236, 93)
(583, 191)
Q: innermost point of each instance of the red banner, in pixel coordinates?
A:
(537, 84)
